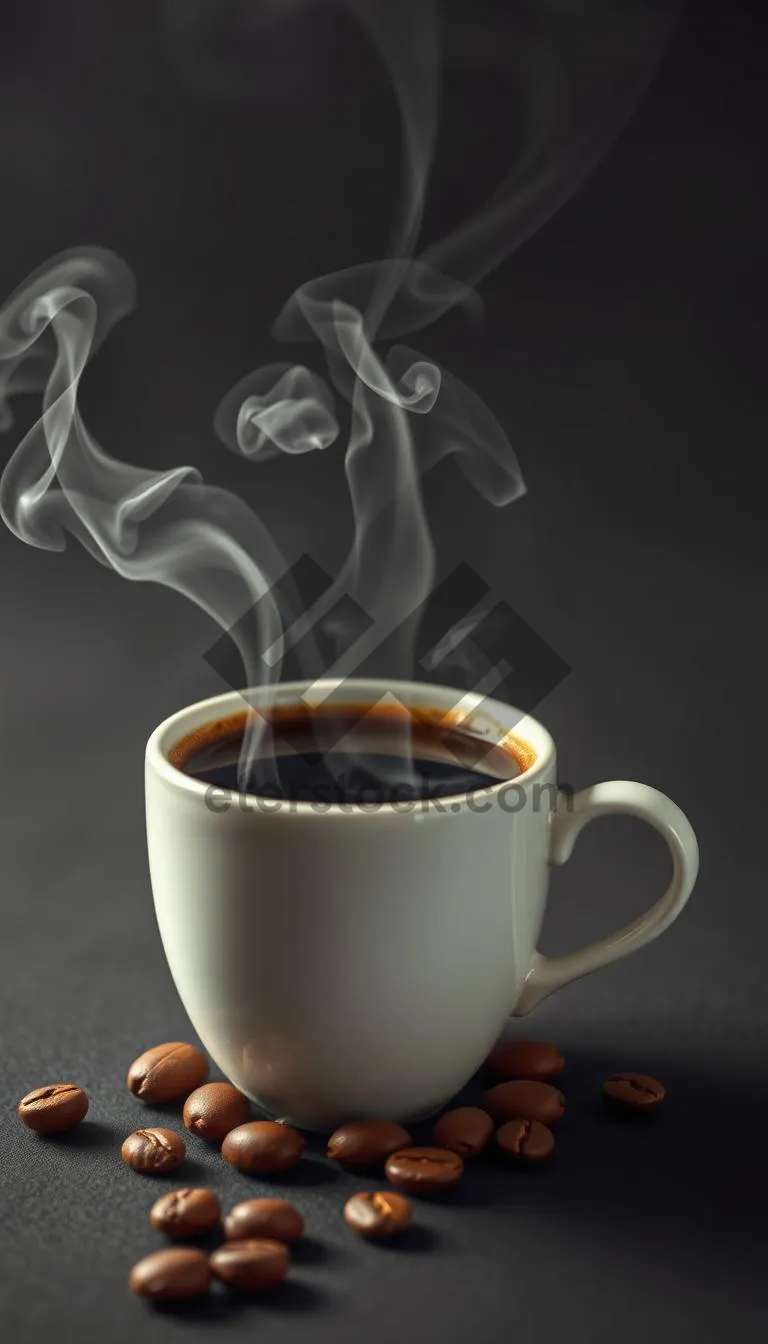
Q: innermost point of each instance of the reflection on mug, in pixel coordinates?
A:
(271, 1071)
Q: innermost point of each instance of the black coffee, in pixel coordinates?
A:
(349, 754)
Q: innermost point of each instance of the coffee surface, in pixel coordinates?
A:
(350, 754)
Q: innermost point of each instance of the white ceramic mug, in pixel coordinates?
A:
(344, 963)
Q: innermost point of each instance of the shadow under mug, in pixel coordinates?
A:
(340, 963)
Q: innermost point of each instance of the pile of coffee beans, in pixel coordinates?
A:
(513, 1120)
(253, 1257)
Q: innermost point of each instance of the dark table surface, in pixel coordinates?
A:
(623, 354)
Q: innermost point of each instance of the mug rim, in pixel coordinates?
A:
(504, 717)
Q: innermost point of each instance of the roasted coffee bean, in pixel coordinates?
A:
(465, 1131)
(364, 1143)
(185, 1213)
(214, 1109)
(536, 1061)
(377, 1215)
(171, 1275)
(51, 1110)
(271, 1218)
(636, 1092)
(167, 1072)
(262, 1147)
(251, 1265)
(525, 1101)
(424, 1171)
(153, 1150)
(525, 1141)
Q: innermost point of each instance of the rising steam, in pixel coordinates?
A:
(404, 412)
(168, 526)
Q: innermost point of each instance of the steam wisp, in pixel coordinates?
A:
(405, 413)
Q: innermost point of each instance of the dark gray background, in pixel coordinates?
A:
(623, 353)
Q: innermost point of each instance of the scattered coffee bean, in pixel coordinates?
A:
(185, 1213)
(424, 1171)
(465, 1131)
(251, 1265)
(171, 1275)
(525, 1101)
(271, 1218)
(214, 1109)
(167, 1072)
(51, 1110)
(365, 1143)
(377, 1215)
(535, 1061)
(263, 1147)
(525, 1141)
(153, 1150)
(636, 1092)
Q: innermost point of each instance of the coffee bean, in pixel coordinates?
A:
(51, 1110)
(271, 1218)
(377, 1215)
(424, 1171)
(171, 1275)
(535, 1061)
(214, 1109)
(465, 1131)
(636, 1092)
(262, 1147)
(153, 1150)
(525, 1141)
(185, 1213)
(167, 1072)
(251, 1265)
(525, 1101)
(364, 1143)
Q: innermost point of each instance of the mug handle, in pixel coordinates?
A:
(569, 817)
